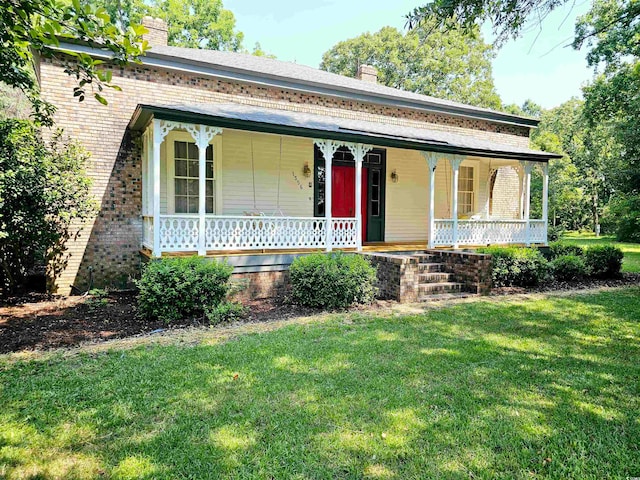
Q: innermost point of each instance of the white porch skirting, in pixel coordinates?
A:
(180, 233)
(485, 232)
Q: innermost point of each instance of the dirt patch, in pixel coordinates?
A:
(627, 280)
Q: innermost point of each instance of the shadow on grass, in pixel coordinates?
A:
(544, 388)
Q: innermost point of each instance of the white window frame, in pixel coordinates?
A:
(474, 165)
(182, 136)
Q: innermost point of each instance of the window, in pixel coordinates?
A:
(465, 191)
(375, 193)
(186, 175)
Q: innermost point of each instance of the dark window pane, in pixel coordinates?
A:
(192, 187)
(193, 169)
(181, 186)
(375, 178)
(181, 204)
(193, 204)
(209, 191)
(181, 168)
(193, 151)
(209, 170)
(374, 158)
(375, 193)
(180, 149)
(375, 208)
(209, 201)
(210, 152)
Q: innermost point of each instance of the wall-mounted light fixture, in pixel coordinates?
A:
(394, 176)
(306, 171)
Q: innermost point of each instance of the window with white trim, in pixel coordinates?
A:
(186, 174)
(466, 192)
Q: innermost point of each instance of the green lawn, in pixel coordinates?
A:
(513, 389)
(631, 251)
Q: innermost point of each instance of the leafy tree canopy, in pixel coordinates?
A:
(452, 64)
(36, 25)
(192, 23)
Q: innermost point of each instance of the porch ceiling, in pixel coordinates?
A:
(252, 118)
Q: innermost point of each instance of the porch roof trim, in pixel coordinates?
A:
(284, 122)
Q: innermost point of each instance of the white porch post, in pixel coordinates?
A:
(155, 179)
(203, 137)
(358, 150)
(527, 166)
(328, 148)
(545, 198)
(455, 161)
(432, 162)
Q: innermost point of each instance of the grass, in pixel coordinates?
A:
(631, 251)
(515, 389)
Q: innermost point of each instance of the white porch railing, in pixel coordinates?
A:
(485, 232)
(180, 233)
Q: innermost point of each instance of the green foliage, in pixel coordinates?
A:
(173, 289)
(43, 191)
(28, 26)
(516, 266)
(334, 280)
(226, 312)
(433, 61)
(192, 23)
(568, 267)
(559, 249)
(554, 233)
(623, 218)
(604, 261)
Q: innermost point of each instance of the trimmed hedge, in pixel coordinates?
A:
(569, 267)
(559, 249)
(516, 266)
(604, 261)
(173, 289)
(334, 280)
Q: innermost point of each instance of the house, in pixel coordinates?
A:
(257, 160)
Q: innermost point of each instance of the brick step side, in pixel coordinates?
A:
(428, 258)
(439, 297)
(435, 277)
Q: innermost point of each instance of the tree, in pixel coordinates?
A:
(36, 25)
(431, 61)
(43, 192)
(192, 23)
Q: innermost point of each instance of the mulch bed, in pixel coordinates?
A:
(40, 322)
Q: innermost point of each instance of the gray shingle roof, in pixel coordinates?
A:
(342, 128)
(302, 74)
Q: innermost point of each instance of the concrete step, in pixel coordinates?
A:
(435, 277)
(442, 287)
(431, 267)
(439, 297)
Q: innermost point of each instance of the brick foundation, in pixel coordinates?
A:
(397, 276)
(472, 269)
(256, 285)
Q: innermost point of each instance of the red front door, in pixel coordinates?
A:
(343, 199)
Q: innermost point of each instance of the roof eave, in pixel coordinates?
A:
(144, 114)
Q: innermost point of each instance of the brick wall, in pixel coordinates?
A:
(397, 277)
(256, 285)
(472, 269)
(109, 243)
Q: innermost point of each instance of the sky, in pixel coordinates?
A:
(537, 66)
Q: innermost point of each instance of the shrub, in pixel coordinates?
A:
(332, 280)
(554, 233)
(559, 249)
(623, 217)
(176, 288)
(226, 312)
(568, 267)
(516, 266)
(604, 261)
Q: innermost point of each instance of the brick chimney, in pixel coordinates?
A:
(367, 73)
(157, 35)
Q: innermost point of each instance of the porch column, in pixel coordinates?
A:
(328, 148)
(545, 198)
(158, 136)
(432, 162)
(527, 167)
(455, 161)
(203, 137)
(359, 151)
